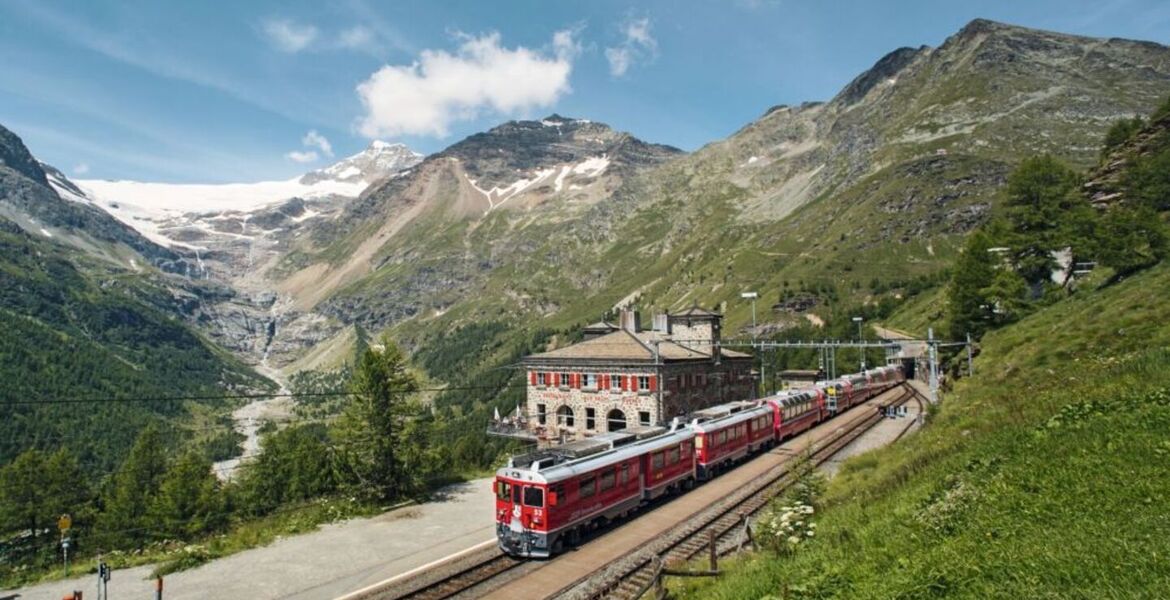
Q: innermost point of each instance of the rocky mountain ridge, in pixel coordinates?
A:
(550, 221)
(379, 159)
(878, 184)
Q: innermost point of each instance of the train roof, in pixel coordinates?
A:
(758, 409)
(544, 470)
(790, 397)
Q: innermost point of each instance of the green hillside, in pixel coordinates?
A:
(1042, 476)
(72, 329)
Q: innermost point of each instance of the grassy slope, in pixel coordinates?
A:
(1000, 498)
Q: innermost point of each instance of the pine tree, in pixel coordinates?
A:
(968, 309)
(371, 433)
(295, 465)
(36, 488)
(133, 490)
(1134, 239)
(1045, 214)
(189, 501)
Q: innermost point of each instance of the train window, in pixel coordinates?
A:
(534, 496)
(721, 438)
(607, 479)
(588, 487)
(672, 456)
(590, 418)
(686, 447)
(503, 490)
(555, 494)
(516, 490)
(656, 460)
(625, 475)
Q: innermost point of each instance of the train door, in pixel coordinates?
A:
(831, 402)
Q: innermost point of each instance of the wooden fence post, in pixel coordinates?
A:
(711, 544)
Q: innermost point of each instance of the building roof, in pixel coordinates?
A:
(695, 311)
(600, 326)
(623, 345)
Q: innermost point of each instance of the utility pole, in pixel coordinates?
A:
(970, 358)
(752, 296)
(932, 353)
(860, 338)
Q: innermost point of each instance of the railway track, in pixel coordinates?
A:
(464, 579)
(724, 523)
(629, 576)
(449, 580)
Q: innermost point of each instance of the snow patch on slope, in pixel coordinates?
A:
(590, 167)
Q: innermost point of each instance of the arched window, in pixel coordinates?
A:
(565, 416)
(615, 420)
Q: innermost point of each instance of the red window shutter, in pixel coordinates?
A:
(556, 379)
(532, 377)
(576, 380)
(653, 383)
(603, 382)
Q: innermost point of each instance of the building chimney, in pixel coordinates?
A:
(661, 323)
(630, 320)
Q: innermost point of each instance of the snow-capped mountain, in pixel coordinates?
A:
(378, 160)
(183, 215)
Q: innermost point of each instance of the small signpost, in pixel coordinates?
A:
(64, 522)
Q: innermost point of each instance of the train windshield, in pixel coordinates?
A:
(534, 497)
(503, 490)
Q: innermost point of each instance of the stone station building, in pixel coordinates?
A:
(621, 376)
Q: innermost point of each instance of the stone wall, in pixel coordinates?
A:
(677, 390)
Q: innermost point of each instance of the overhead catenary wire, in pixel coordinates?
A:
(760, 344)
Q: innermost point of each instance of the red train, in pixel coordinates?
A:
(547, 499)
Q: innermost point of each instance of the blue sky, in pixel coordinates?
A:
(244, 91)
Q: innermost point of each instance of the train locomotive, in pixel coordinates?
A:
(547, 499)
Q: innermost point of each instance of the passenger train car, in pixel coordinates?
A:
(548, 498)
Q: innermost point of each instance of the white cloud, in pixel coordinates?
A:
(288, 36)
(358, 37)
(81, 169)
(637, 46)
(441, 87)
(619, 61)
(314, 139)
(302, 157)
